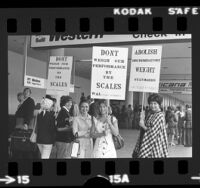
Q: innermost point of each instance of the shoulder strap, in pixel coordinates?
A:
(35, 123)
(112, 119)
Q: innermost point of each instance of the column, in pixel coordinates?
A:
(129, 97)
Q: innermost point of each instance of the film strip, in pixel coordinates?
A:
(89, 22)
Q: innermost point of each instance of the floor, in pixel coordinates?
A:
(130, 137)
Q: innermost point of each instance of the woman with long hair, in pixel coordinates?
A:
(105, 126)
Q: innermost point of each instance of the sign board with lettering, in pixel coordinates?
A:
(65, 40)
(145, 69)
(175, 86)
(59, 73)
(109, 70)
(31, 81)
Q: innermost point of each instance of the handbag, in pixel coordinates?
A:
(117, 140)
(33, 136)
(75, 147)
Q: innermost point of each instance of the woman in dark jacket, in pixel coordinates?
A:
(45, 128)
(64, 135)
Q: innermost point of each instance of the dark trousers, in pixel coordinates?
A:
(188, 137)
(180, 136)
(20, 154)
(16, 154)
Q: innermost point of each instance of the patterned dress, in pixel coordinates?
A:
(104, 146)
(81, 126)
(153, 142)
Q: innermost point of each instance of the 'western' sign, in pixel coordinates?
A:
(59, 73)
(67, 40)
(145, 69)
(109, 69)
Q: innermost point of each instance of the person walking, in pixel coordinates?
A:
(181, 118)
(124, 116)
(129, 116)
(172, 121)
(152, 141)
(188, 127)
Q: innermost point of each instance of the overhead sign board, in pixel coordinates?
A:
(65, 40)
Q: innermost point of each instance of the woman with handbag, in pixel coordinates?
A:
(81, 129)
(103, 130)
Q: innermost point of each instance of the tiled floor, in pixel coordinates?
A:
(130, 138)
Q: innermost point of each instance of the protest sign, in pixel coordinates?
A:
(59, 73)
(145, 69)
(109, 70)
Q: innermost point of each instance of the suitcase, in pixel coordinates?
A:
(20, 140)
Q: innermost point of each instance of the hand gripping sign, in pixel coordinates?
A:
(109, 69)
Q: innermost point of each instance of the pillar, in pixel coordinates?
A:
(129, 97)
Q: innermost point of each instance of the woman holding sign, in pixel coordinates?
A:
(152, 142)
(105, 127)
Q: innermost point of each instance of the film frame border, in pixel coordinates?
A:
(179, 24)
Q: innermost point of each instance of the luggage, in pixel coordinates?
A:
(20, 140)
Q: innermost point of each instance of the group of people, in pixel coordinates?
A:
(72, 122)
(129, 116)
(92, 124)
(179, 125)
